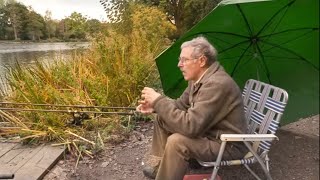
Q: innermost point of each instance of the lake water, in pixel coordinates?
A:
(27, 53)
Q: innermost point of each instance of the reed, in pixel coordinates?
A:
(112, 72)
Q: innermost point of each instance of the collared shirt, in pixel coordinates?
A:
(200, 77)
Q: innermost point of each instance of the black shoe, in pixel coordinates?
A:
(151, 165)
(150, 172)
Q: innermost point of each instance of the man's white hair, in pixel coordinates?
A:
(201, 46)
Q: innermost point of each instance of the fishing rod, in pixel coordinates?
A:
(78, 115)
(65, 111)
(72, 106)
(6, 176)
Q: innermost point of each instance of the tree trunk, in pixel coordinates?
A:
(178, 16)
(15, 32)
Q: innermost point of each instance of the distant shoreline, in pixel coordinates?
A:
(18, 47)
(41, 41)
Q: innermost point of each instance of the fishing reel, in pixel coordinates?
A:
(78, 117)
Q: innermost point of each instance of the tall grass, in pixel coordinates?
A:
(111, 72)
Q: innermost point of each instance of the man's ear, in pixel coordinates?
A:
(203, 61)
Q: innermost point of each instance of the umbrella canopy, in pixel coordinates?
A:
(276, 42)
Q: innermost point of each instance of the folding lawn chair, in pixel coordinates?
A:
(264, 105)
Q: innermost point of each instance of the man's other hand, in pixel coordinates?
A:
(149, 95)
(144, 107)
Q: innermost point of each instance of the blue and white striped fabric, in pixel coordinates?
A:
(257, 116)
(247, 161)
(250, 160)
(273, 127)
(275, 106)
(244, 92)
(255, 96)
(265, 145)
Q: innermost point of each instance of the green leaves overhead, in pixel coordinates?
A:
(181, 13)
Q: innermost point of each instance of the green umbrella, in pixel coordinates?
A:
(276, 42)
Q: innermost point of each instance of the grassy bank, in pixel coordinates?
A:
(111, 72)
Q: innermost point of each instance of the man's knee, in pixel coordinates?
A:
(176, 139)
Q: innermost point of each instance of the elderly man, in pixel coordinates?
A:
(190, 126)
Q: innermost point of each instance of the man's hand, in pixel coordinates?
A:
(149, 95)
(144, 107)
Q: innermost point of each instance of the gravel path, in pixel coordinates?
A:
(294, 156)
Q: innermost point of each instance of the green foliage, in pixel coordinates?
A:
(112, 72)
(185, 14)
(15, 14)
(76, 25)
(50, 25)
(35, 27)
(181, 13)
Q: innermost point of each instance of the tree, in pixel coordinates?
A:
(2, 3)
(182, 13)
(186, 13)
(16, 14)
(50, 24)
(35, 27)
(93, 26)
(76, 26)
(3, 20)
(150, 27)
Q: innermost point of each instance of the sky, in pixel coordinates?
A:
(63, 8)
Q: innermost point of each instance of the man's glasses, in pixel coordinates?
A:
(183, 60)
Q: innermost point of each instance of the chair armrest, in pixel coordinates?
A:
(248, 137)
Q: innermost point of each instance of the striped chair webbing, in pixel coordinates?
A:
(275, 105)
(273, 127)
(244, 91)
(255, 96)
(248, 161)
(257, 117)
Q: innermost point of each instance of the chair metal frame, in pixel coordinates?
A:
(264, 105)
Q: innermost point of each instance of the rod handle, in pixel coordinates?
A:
(6, 176)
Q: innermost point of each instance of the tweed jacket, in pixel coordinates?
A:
(212, 107)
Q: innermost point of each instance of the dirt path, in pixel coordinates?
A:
(294, 156)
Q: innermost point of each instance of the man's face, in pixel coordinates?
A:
(189, 66)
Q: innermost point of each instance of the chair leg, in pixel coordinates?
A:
(263, 166)
(218, 161)
(253, 173)
(267, 162)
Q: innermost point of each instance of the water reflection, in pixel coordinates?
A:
(27, 54)
(12, 47)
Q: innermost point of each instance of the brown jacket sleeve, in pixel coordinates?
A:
(209, 107)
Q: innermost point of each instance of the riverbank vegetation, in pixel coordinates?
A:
(112, 72)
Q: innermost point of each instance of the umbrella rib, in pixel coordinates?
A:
(231, 47)
(218, 32)
(269, 21)
(298, 37)
(235, 45)
(265, 64)
(289, 30)
(294, 53)
(245, 20)
(244, 52)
